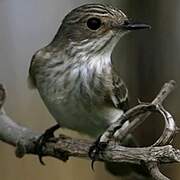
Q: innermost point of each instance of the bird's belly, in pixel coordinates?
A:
(90, 120)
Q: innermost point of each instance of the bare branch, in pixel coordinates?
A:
(63, 147)
(139, 113)
(164, 92)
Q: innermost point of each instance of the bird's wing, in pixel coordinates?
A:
(119, 94)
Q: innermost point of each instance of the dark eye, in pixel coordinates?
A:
(94, 23)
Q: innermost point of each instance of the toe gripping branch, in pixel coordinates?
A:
(136, 116)
(95, 150)
(41, 142)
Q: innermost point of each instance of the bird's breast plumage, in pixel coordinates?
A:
(75, 94)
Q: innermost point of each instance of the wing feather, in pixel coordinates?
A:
(119, 95)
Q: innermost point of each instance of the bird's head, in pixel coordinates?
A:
(94, 28)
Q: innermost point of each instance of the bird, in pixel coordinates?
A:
(74, 73)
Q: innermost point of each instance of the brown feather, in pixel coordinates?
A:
(119, 94)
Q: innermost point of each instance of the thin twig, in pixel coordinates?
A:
(162, 95)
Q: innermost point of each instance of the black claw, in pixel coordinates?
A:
(41, 160)
(95, 150)
(92, 164)
(39, 145)
(41, 142)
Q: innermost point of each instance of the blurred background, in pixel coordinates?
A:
(145, 60)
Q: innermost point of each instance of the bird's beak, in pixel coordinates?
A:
(128, 25)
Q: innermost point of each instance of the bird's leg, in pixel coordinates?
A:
(102, 141)
(49, 133)
(97, 147)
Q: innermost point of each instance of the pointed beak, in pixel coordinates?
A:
(128, 25)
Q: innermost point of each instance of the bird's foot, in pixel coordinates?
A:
(97, 148)
(41, 142)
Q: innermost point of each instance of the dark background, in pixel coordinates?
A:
(145, 60)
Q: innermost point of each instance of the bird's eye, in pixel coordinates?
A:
(94, 23)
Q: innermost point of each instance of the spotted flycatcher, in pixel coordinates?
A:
(74, 73)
